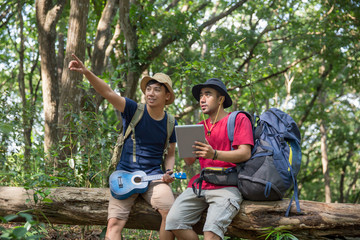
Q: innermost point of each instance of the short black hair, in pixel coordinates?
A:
(152, 81)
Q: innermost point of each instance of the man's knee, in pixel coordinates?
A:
(115, 224)
(163, 213)
(211, 236)
(185, 234)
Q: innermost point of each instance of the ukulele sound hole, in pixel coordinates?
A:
(137, 179)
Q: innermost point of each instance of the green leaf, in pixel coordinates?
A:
(19, 232)
(27, 216)
(11, 217)
(6, 236)
(47, 200)
(6, 128)
(27, 226)
(36, 198)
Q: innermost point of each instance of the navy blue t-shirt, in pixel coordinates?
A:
(150, 136)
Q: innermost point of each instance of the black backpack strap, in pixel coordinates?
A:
(198, 182)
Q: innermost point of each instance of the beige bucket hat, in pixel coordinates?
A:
(161, 78)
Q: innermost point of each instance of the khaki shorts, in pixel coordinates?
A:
(222, 205)
(159, 195)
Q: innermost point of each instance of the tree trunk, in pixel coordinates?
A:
(70, 91)
(47, 16)
(88, 206)
(26, 117)
(324, 152)
(61, 56)
(99, 56)
(129, 31)
(103, 37)
(325, 163)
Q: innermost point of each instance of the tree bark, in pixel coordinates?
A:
(323, 143)
(60, 56)
(47, 16)
(26, 117)
(129, 31)
(71, 93)
(103, 37)
(102, 41)
(88, 206)
(325, 162)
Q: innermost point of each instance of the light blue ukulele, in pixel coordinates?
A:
(123, 184)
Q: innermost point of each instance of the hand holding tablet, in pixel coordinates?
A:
(186, 135)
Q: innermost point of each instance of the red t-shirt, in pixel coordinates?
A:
(219, 140)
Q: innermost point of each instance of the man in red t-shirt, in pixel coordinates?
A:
(222, 202)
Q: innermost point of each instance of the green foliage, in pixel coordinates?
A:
(41, 183)
(279, 233)
(88, 165)
(32, 229)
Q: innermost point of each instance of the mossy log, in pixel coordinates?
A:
(88, 206)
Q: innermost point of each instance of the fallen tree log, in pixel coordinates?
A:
(88, 206)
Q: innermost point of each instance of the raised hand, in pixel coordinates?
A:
(77, 65)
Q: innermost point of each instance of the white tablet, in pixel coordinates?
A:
(186, 135)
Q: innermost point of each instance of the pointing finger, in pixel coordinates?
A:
(75, 57)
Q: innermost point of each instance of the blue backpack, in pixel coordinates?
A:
(275, 159)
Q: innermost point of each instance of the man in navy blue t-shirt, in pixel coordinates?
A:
(150, 137)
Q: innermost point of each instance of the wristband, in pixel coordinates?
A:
(215, 155)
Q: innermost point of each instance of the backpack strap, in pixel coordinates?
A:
(296, 190)
(169, 129)
(131, 128)
(231, 124)
(198, 182)
(121, 138)
(295, 196)
(134, 121)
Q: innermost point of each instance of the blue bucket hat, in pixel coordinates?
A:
(216, 84)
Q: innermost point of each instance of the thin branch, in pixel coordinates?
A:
(172, 5)
(316, 95)
(156, 51)
(2, 84)
(221, 15)
(187, 110)
(275, 40)
(274, 74)
(7, 15)
(168, 39)
(251, 52)
(217, 18)
(33, 68)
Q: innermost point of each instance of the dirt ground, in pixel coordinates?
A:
(63, 232)
(75, 233)
(66, 232)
